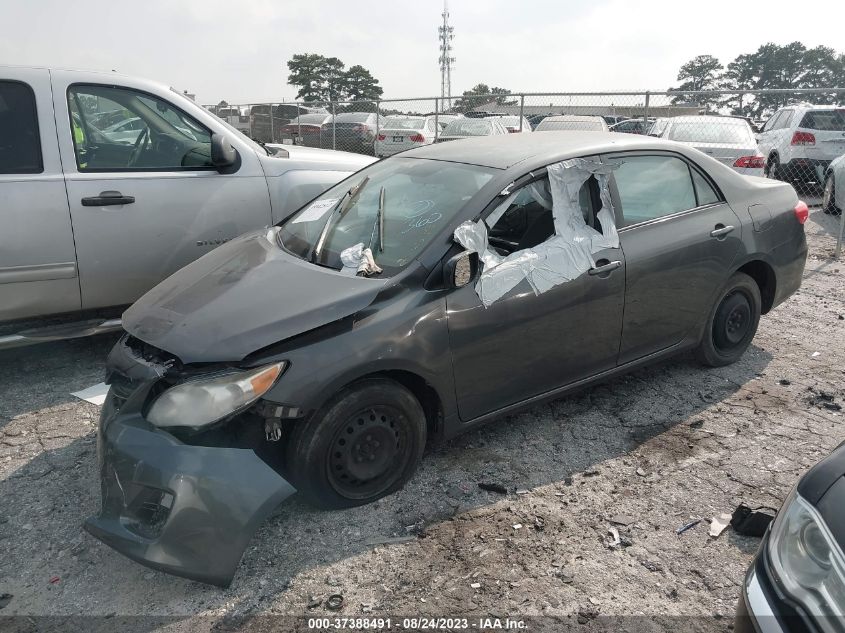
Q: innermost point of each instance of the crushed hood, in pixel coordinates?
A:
(241, 297)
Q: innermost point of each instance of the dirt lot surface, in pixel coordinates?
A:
(644, 454)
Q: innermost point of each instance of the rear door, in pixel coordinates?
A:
(680, 239)
(38, 273)
(144, 208)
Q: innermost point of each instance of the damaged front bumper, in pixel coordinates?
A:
(184, 509)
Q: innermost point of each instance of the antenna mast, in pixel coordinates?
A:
(446, 36)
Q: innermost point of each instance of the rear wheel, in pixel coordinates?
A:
(829, 196)
(732, 323)
(364, 444)
(772, 169)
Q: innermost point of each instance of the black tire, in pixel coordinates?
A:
(363, 444)
(773, 168)
(829, 199)
(732, 323)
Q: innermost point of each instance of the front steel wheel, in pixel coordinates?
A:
(732, 323)
(829, 196)
(364, 444)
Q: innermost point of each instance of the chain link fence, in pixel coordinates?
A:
(792, 135)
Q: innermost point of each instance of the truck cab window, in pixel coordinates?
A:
(20, 145)
(118, 129)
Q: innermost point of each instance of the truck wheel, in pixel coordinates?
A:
(364, 444)
(732, 322)
(829, 198)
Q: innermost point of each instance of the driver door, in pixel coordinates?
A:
(144, 202)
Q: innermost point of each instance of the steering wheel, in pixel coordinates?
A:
(137, 149)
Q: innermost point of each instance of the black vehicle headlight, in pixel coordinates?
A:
(203, 401)
(808, 562)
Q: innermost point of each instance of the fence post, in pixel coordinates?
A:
(334, 123)
(299, 125)
(272, 136)
(251, 119)
(521, 110)
(645, 111)
(436, 123)
(378, 113)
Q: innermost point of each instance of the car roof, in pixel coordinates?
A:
(574, 117)
(502, 152)
(709, 118)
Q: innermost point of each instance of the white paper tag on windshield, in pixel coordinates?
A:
(316, 210)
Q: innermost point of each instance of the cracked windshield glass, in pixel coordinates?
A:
(421, 197)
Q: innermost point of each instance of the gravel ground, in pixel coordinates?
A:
(644, 454)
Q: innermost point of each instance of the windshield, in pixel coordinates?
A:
(468, 127)
(404, 124)
(730, 132)
(421, 197)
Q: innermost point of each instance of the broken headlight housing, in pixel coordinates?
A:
(808, 562)
(198, 403)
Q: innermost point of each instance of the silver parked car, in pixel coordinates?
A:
(463, 128)
(404, 132)
(91, 221)
(730, 140)
(572, 122)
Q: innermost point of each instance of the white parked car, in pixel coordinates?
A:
(572, 122)
(730, 140)
(404, 132)
(466, 127)
(511, 124)
(800, 141)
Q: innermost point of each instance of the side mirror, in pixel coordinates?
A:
(460, 269)
(223, 155)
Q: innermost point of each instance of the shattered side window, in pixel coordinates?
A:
(524, 220)
(562, 245)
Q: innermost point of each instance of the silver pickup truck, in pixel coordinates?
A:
(109, 183)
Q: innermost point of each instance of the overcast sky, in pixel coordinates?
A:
(237, 49)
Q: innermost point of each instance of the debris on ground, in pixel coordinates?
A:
(314, 602)
(492, 487)
(475, 585)
(822, 399)
(696, 424)
(718, 524)
(517, 526)
(640, 472)
(687, 526)
(784, 382)
(54, 580)
(614, 539)
(5, 599)
(622, 519)
(334, 602)
(750, 522)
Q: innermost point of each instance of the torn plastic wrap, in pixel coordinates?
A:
(562, 257)
(358, 260)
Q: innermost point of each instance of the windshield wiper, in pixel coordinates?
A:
(379, 223)
(343, 205)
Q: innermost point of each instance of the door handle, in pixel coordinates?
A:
(605, 268)
(107, 198)
(721, 230)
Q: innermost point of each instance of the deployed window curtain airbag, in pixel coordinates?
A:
(562, 257)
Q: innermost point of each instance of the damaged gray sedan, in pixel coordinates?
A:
(422, 296)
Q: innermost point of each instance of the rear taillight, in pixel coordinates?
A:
(417, 138)
(803, 138)
(802, 212)
(381, 137)
(750, 162)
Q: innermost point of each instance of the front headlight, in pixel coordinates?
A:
(198, 403)
(808, 562)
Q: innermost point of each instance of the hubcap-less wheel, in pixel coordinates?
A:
(732, 322)
(369, 452)
(828, 202)
(772, 171)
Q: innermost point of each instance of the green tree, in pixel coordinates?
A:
(306, 74)
(482, 95)
(700, 73)
(360, 85)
